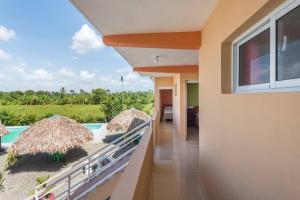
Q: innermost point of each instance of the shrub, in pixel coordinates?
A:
(58, 157)
(28, 119)
(42, 179)
(11, 159)
(1, 180)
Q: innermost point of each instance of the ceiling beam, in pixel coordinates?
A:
(169, 69)
(172, 40)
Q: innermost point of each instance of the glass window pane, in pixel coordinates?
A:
(254, 60)
(288, 46)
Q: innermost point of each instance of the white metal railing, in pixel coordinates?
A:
(93, 170)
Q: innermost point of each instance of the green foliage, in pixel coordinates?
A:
(1, 180)
(58, 157)
(11, 159)
(25, 108)
(112, 105)
(17, 115)
(42, 179)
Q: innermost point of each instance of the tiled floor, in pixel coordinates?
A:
(176, 171)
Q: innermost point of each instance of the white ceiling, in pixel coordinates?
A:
(112, 17)
(143, 57)
(156, 74)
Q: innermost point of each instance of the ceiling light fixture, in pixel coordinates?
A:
(157, 59)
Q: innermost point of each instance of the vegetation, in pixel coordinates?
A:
(1, 180)
(11, 159)
(13, 115)
(42, 179)
(58, 157)
(25, 108)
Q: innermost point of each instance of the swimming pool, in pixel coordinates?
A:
(16, 131)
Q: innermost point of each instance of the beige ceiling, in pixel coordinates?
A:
(111, 17)
(143, 57)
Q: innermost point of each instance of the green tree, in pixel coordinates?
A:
(98, 95)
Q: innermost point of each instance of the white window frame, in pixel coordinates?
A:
(268, 22)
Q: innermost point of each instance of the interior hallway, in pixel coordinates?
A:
(176, 169)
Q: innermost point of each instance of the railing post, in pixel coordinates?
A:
(36, 196)
(69, 186)
(89, 169)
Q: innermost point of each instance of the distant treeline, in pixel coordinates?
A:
(95, 97)
(24, 108)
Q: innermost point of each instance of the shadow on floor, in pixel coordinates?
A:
(44, 162)
(111, 138)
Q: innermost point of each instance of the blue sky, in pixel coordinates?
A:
(48, 44)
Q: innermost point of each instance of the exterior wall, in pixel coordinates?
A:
(135, 182)
(104, 190)
(249, 143)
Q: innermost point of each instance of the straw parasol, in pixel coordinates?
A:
(3, 131)
(125, 120)
(52, 135)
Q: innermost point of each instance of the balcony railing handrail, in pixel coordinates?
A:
(101, 149)
(116, 145)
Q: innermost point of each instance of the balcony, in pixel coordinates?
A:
(164, 167)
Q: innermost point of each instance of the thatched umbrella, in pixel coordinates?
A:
(52, 135)
(3, 131)
(125, 120)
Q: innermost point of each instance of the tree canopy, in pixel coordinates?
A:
(110, 103)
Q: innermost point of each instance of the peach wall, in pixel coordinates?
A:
(135, 182)
(104, 190)
(180, 102)
(176, 103)
(249, 143)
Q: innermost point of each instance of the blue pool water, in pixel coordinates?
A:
(14, 132)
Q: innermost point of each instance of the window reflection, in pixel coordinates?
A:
(288, 46)
(254, 60)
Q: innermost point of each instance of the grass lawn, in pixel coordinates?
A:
(82, 113)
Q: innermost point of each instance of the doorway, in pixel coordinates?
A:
(192, 109)
(166, 104)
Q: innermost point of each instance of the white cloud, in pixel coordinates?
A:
(134, 81)
(66, 72)
(86, 40)
(39, 75)
(85, 75)
(4, 55)
(6, 34)
(2, 77)
(18, 75)
(75, 57)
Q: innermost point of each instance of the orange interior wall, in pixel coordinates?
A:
(165, 99)
(160, 82)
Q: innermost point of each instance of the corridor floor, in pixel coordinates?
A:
(176, 169)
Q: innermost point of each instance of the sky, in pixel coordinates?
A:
(48, 44)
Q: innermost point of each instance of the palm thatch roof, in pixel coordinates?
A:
(126, 120)
(51, 135)
(3, 130)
